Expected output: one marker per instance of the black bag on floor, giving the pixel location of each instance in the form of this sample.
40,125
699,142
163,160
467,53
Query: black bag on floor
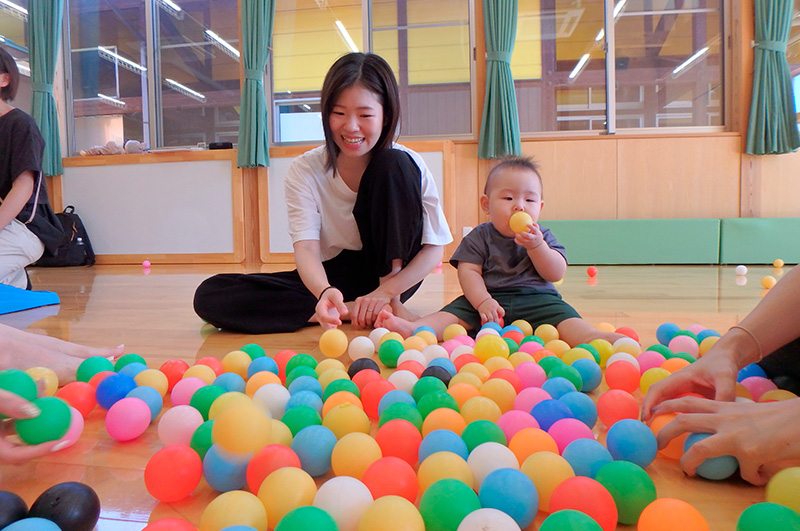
76,250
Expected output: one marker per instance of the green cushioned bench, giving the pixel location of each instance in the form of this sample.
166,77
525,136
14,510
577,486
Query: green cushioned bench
638,241
759,240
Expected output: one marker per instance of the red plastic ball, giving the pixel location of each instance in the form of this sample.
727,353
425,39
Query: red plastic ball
79,395
399,438
170,524
214,363
362,378
515,336
630,332
281,359
95,380
173,370
510,376
173,473
464,359
371,396
268,460
391,476
588,496
591,271
615,405
623,375
411,366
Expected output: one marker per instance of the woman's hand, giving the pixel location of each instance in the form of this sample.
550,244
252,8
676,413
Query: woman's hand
11,451
330,308
491,311
763,437
367,307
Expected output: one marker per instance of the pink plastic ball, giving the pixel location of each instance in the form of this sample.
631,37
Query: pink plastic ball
184,389
75,429
465,340
684,344
758,385
565,431
450,344
649,359
695,328
177,425
146,263
529,347
128,418
530,374
529,397
515,420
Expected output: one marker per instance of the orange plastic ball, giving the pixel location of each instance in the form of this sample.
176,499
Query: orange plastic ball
214,363
673,449
616,404
443,418
340,397
528,441
259,380
353,454
674,364
668,514
480,408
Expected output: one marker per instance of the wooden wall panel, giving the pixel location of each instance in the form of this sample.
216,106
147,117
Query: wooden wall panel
771,187
685,177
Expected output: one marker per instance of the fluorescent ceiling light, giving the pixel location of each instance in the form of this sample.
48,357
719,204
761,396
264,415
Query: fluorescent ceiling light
617,10
111,101
600,35
690,60
114,57
346,36
170,4
222,44
580,66
306,107
186,91
24,68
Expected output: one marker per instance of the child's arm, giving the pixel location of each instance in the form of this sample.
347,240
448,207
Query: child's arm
549,263
17,197
470,276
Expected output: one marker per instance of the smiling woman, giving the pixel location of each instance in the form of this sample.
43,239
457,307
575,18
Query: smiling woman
365,219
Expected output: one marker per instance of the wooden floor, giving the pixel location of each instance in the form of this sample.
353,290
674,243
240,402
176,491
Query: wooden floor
151,313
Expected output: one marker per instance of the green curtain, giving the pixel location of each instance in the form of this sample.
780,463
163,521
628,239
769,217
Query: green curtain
257,20
773,126
44,23
500,124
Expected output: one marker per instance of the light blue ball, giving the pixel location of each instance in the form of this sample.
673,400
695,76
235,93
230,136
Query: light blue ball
32,524
632,440
231,382
715,468
262,363
306,383
754,369
239,528
493,325
707,333
511,328
305,398
582,407
558,386
445,364
151,397
225,471
442,441
424,327
590,372
666,331
586,456
133,368
314,446
512,492
394,396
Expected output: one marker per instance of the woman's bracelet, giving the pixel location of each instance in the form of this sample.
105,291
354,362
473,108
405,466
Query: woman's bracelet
321,293
753,337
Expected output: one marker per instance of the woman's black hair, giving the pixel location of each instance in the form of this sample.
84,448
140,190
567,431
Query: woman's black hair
373,73
9,66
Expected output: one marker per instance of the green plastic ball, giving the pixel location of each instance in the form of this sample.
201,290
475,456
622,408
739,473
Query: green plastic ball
512,345
569,519
297,372
686,333
569,372
436,400
401,410
682,355
305,518
549,362
390,351
51,424
203,398
253,350
201,439
299,417
300,360
478,432
661,349
127,359
91,366
18,382
341,384
630,486
532,338
425,385
445,503
768,516
592,350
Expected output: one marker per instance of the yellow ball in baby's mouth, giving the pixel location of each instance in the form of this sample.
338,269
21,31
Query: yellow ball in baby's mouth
519,222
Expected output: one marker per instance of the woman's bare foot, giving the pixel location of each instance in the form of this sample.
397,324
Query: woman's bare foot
393,323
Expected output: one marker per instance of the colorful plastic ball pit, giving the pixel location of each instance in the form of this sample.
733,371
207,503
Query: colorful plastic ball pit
399,438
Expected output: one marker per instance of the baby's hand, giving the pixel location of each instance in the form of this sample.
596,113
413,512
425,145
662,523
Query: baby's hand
491,311
531,239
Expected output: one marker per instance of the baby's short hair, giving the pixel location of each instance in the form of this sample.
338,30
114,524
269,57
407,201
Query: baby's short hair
512,161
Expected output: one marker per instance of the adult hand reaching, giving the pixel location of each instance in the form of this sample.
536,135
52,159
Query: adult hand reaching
11,451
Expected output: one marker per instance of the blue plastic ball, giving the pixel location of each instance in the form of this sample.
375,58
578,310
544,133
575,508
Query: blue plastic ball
666,331
113,388
306,383
151,397
225,471
582,407
231,382
314,446
754,369
394,396
716,468
305,398
511,328
442,441
133,368
586,456
558,386
632,440
262,363
590,372
547,412
32,524
239,528
512,492
444,363
707,333
424,327
495,326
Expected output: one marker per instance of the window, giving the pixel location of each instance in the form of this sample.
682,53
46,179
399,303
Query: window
13,39
667,64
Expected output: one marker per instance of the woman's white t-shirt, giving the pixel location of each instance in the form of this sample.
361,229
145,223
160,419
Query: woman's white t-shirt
320,205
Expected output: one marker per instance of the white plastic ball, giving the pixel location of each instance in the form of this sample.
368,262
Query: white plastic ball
488,520
360,347
403,380
486,330
272,397
414,355
460,351
376,335
488,457
740,270
345,499
625,339
622,356
431,352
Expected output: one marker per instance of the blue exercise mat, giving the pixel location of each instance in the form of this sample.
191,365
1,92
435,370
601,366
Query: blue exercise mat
15,300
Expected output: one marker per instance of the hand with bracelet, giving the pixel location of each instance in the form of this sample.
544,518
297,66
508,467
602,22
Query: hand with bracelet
490,311
330,308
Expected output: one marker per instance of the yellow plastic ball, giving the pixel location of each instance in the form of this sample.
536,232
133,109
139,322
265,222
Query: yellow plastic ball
204,372
236,361
155,379
415,343
557,347
605,327
331,375
353,454
346,418
285,489
390,335
707,343
453,330
391,513
501,392
444,418
234,508
632,349
48,376
575,354
519,222
333,343
784,488
226,400
480,408
519,357
768,281
651,376
329,363
463,391
477,369
523,325
467,378
496,363
242,429
444,465
489,345
604,348
546,332
778,263
280,433
547,470
340,397
427,336
776,395
259,380
741,391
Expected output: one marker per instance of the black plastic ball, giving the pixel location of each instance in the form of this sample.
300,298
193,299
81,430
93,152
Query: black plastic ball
12,508
437,372
360,364
71,505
